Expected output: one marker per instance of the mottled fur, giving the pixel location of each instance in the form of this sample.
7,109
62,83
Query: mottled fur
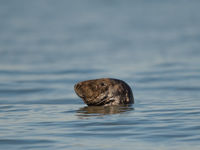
105,91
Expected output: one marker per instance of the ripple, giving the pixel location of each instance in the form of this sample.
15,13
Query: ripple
2,107
21,91
52,101
23,141
42,101
169,71
173,78
47,72
171,88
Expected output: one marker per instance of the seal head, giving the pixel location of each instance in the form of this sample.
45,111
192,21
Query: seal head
104,91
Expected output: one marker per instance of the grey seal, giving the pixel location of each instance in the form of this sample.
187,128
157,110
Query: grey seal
104,91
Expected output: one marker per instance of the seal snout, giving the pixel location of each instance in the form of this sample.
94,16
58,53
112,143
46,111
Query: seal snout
76,86
77,89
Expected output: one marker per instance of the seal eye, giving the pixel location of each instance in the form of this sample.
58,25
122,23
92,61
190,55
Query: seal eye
103,84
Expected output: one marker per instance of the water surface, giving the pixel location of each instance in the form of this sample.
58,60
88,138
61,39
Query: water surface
48,46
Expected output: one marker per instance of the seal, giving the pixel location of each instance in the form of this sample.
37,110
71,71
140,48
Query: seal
104,91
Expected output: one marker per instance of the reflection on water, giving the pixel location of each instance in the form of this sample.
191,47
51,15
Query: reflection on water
103,110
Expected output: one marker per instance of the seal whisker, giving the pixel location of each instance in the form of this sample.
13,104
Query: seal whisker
102,100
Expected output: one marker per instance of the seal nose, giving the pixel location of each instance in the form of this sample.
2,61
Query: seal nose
77,87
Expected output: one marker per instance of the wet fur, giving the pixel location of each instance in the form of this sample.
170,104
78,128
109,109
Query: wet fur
105,91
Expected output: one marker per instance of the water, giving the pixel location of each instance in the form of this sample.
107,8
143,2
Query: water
47,46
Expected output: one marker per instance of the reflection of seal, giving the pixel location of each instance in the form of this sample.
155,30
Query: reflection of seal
105,91
91,111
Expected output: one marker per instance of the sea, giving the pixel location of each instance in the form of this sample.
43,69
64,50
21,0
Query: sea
47,46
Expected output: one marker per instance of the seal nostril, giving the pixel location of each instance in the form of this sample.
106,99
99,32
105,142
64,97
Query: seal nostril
77,86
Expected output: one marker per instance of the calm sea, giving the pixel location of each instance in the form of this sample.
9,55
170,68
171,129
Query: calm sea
47,46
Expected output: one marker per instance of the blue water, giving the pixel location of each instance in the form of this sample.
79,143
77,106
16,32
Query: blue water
47,46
